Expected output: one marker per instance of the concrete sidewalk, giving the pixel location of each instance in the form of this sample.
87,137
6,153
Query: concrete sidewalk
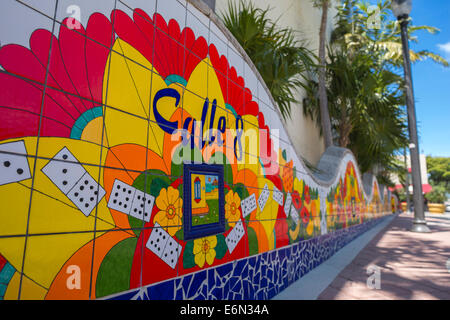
411,265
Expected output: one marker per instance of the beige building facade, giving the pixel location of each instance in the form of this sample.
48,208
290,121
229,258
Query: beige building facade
304,19
423,173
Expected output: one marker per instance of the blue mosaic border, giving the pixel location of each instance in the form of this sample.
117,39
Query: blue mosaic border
259,277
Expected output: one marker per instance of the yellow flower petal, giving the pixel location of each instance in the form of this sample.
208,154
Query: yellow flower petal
227,210
212,241
198,245
161,218
229,197
161,201
172,230
178,204
210,255
237,200
172,222
172,195
310,228
200,260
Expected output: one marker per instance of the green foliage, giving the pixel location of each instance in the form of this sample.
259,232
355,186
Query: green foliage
211,217
189,257
437,195
279,58
439,171
364,100
401,195
365,86
252,241
116,265
221,247
152,181
355,33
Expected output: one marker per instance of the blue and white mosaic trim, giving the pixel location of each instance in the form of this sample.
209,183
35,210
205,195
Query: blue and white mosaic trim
258,277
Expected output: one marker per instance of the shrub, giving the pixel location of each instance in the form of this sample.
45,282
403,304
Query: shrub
437,195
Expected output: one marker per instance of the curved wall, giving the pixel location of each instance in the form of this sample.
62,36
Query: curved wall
117,97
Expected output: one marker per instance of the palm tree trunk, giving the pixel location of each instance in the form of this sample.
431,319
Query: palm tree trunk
345,126
324,113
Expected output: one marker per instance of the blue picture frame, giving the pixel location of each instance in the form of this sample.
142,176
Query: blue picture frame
198,231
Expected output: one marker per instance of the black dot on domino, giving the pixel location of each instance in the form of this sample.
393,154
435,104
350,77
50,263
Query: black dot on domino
7,164
65,156
20,171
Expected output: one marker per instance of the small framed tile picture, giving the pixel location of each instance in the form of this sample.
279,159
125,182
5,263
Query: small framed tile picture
203,211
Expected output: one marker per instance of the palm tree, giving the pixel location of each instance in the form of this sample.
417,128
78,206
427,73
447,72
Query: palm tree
364,108
364,87
279,58
323,99
354,33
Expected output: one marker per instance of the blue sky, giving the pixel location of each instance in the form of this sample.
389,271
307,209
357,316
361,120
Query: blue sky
432,81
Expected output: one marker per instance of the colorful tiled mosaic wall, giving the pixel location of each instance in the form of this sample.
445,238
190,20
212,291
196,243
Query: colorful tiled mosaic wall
258,277
101,104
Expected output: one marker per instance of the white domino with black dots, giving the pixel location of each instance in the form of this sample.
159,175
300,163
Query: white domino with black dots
235,235
13,163
164,246
131,201
67,173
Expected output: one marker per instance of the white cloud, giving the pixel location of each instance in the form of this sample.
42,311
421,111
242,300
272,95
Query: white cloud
446,48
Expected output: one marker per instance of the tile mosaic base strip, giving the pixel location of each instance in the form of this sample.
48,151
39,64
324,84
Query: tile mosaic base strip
258,277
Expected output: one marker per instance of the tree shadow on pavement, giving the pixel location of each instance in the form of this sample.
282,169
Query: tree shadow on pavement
411,265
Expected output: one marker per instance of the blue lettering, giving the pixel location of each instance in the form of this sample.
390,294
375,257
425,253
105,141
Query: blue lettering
167,126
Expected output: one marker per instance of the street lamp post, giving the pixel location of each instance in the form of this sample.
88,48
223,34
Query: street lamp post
408,204
402,9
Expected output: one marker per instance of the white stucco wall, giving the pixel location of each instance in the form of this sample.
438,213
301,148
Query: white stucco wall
301,16
423,168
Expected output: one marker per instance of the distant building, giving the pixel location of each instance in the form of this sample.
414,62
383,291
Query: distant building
426,187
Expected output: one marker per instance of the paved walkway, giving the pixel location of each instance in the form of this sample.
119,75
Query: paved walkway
413,266
410,265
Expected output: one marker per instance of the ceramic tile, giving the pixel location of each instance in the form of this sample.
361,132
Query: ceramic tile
81,10
45,7
172,10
